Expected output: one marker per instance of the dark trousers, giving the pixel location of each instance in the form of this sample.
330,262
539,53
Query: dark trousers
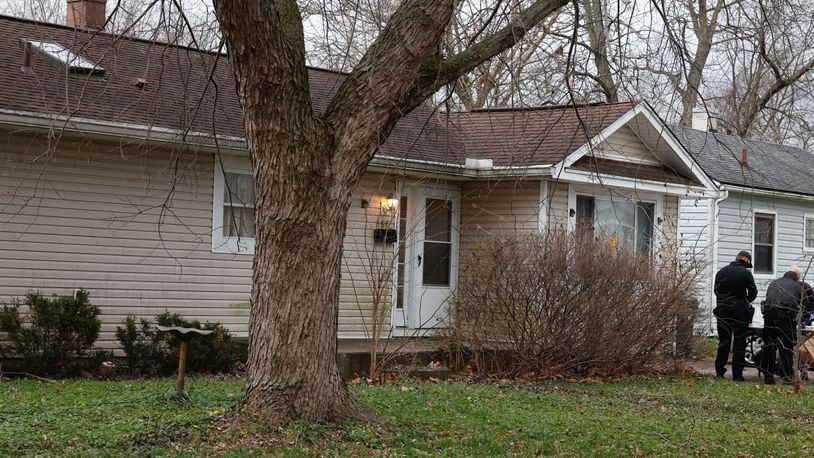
731,332
779,335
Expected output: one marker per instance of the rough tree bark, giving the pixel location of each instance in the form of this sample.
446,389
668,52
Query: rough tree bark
306,167
705,25
594,13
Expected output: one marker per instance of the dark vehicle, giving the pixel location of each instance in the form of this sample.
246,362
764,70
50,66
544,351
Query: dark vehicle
754,348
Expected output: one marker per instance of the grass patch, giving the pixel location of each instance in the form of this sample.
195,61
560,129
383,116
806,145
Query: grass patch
75,416
704,347
658,416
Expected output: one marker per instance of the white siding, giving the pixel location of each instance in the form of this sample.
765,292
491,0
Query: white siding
695,236
735,220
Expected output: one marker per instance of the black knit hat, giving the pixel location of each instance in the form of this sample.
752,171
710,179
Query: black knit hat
744,257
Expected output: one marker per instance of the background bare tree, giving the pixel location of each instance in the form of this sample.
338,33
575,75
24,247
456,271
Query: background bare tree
771,56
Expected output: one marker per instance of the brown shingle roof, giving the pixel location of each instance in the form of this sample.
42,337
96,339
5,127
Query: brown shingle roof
194,91
534,136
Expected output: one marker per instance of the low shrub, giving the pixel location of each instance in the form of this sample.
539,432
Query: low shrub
51,335
567,303
156,353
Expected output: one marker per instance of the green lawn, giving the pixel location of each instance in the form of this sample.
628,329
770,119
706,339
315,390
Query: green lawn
659,416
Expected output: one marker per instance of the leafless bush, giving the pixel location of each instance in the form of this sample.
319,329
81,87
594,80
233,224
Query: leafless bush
566,303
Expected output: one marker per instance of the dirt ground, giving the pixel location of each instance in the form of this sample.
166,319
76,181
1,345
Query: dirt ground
706,366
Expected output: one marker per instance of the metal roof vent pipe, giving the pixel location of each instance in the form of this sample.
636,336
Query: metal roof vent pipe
86,14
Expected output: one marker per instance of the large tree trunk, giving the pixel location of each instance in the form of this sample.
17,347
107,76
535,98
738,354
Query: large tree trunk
305,169
293,371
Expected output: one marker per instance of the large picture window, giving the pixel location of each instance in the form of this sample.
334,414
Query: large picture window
233,211
763,261
625,225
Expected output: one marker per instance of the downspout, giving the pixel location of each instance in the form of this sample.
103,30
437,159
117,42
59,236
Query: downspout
724,194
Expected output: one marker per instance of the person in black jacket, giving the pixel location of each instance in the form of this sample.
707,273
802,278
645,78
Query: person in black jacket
734,292
784,297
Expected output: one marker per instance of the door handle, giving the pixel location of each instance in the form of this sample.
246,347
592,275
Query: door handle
419,260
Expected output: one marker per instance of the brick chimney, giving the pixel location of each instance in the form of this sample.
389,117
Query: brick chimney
86,14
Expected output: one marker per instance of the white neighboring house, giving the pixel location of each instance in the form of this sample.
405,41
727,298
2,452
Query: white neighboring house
765,205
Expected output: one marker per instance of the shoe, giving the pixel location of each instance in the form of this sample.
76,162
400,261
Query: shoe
738,378
720,372
768,381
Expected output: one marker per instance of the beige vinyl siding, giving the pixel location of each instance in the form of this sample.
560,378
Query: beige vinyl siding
107,218
558,213
625,144
100,216
498,208
367,267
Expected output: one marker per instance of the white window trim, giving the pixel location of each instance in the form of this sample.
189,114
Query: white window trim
602,192
221,243
773,214
806,217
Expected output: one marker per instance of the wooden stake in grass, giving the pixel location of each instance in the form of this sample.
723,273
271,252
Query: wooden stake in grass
184,335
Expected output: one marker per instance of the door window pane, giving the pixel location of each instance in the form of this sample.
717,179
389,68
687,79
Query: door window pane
438,217
436,263
437,242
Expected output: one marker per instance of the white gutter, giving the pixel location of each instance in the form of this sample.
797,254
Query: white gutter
770,193
457,170
238,145
119,130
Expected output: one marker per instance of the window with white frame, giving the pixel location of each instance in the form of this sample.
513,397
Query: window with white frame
233,212
763,253
627,225
808,234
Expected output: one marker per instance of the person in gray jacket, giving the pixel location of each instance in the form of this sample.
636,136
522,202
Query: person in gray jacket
784,298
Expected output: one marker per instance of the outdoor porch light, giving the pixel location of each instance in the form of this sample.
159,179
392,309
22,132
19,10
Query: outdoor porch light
389,204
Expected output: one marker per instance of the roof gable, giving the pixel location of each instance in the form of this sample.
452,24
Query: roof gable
626,146
638,136
533,136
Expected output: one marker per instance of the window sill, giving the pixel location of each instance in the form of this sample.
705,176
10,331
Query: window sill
233,246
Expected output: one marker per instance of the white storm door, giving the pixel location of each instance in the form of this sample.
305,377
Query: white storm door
434,264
